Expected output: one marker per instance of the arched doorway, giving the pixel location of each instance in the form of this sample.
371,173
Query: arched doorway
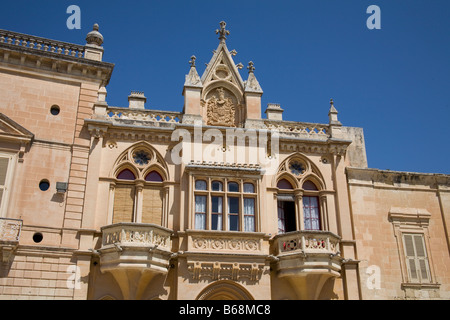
224,290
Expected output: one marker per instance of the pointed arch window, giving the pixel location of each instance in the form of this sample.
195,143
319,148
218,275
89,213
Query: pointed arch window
138,190
299,209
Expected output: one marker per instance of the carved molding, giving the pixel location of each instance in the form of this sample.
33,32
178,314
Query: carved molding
225,271
223,244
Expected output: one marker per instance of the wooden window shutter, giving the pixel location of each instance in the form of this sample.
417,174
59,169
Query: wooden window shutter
421,256
152,205
123,203
4,163
410,257
416,258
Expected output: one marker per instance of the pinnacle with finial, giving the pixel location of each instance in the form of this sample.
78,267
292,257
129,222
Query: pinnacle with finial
192,62
251,67
223,33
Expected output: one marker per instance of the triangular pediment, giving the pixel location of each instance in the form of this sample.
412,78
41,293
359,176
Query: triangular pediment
222,68
11,130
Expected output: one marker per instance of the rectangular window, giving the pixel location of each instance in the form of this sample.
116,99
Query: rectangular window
223,205
249,214
311,213
416,258
200,212
233,214
216,213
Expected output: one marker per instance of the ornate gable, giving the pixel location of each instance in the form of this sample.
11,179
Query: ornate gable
220,93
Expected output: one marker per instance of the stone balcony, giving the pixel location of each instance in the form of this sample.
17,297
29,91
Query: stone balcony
9,237
307,259
134,254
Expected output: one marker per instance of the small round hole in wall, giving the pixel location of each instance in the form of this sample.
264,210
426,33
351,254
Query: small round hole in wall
38,237
44,185
55,110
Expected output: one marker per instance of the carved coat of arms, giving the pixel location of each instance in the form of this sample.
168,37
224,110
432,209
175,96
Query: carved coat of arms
221,110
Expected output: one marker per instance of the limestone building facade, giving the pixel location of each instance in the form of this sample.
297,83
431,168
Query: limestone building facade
213,201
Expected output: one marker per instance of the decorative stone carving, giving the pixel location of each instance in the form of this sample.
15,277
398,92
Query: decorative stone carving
221,109
208,244
225,270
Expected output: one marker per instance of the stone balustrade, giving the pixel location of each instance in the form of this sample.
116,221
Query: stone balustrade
41,44
308,242
310,130
136,235
116,113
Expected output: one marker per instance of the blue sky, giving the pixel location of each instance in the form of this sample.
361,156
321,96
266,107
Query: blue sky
393,82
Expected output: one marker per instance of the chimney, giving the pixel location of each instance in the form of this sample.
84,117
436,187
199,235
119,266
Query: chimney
137,100
274,112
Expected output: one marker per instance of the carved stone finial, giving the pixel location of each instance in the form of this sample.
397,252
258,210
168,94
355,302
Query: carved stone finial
223,33
251,67
94,37
192,62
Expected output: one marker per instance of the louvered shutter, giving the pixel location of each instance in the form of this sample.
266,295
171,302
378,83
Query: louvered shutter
422,258
152,205
123,203
410,257
416,258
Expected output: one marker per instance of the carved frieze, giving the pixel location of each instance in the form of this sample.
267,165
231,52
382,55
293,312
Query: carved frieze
224,244
225,270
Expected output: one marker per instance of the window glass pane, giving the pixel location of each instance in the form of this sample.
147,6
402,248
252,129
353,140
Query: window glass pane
284,184
217,186
249,188
200,185
126,175
233,221
233,214
308,185
233,205
233,187
216,222
200,204
311,213
249,215
200,212
154,177
200,221
249,206
216,204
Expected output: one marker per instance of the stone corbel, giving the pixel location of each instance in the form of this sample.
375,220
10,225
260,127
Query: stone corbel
97,132
8,250
22,150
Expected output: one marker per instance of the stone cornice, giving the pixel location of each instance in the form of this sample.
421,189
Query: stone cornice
52,62
397,179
